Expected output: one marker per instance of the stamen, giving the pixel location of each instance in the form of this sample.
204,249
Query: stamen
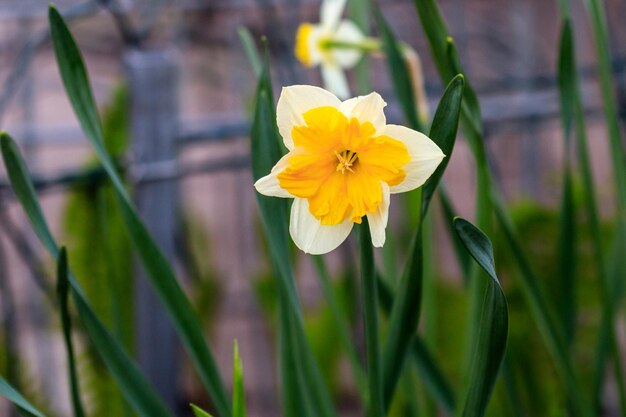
346,159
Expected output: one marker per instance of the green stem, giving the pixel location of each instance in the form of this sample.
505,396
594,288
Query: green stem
431,324
370,307
367,45
66,321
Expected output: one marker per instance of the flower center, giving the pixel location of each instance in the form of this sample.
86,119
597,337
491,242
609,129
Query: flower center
346,159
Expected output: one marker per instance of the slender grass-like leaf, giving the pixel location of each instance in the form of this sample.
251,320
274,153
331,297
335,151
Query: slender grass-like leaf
62,292
25,192
431,375
600,33
494,323
423,359
448,65
376,407
431,325
448,211
477,245
470,98
550,331
303,387
137,390
239,393
404,315
265,147
567,227
250,49
516,409
398,70
133,385
403,318
198,412
343,331
616,278
573,113
296,400
162,278
8,392
444,54
443,133
472,126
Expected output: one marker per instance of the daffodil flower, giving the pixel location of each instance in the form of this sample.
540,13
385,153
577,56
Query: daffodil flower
334,44
343,163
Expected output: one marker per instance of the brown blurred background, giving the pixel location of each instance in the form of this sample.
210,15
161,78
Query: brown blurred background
190,88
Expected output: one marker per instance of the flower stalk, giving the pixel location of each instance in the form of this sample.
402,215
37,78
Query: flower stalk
370,311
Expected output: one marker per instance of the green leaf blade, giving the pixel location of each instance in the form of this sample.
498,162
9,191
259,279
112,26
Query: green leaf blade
403,318
431,374
572,113
477,245
303,389
250,49
405,312
198,412
162,277
239,393
423,359
551,333
443,132
342,328
494,324
25,191
135,387
8,392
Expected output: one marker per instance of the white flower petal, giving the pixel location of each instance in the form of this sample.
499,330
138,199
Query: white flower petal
347,106
378,219
308,233
425,156
269,184
335,80
349,32
330,13
296,100
369,108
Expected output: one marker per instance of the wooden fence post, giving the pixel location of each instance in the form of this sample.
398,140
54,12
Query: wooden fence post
153,86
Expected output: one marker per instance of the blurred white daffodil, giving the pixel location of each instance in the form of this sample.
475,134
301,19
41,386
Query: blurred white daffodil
334,44
343,163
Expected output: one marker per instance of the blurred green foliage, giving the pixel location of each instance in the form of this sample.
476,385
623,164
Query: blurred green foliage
320,328
102,260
